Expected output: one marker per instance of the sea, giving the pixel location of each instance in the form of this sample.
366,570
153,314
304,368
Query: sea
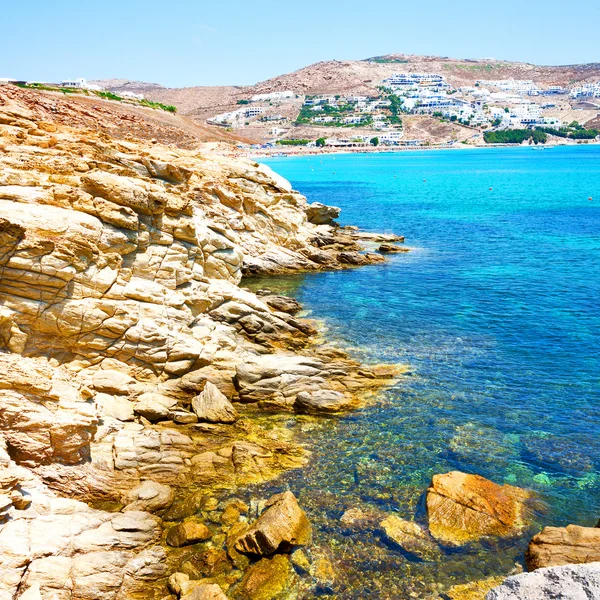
496,313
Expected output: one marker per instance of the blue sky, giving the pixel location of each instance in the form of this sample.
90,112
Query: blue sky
181,42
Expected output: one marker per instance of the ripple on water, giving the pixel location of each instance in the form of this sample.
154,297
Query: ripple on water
497,316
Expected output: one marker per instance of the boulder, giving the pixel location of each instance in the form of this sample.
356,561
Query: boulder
391,248
555,546
212,406
567,582
154,406
321,214
112,381
205,591
409,536
149,496
187,533
283,304
267,579
474,590
115,406
176,580
463,508
281,526
322,401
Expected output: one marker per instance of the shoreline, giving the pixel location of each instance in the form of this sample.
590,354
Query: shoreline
302,151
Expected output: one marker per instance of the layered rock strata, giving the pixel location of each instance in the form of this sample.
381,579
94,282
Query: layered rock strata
125,338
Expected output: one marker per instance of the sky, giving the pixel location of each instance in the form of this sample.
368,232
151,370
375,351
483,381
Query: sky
183,43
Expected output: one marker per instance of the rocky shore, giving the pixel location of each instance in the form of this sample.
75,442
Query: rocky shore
137,376
141,385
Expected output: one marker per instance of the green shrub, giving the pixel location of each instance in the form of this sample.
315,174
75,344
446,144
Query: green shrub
514,136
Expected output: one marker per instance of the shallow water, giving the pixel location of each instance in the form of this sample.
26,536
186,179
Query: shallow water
496,312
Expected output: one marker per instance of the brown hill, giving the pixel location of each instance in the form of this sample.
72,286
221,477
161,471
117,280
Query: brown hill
119,120
362,77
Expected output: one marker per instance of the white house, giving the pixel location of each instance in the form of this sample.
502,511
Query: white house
130,95
391,137
253,111
273,96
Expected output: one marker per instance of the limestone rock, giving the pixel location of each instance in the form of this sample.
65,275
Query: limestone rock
188,532
462,508
154,406
116,407
567,582
206,591
112,381
267,579
321,214
391,248
175,581
409,536
280,527
555,546
149,496
212,406
322,401
474,590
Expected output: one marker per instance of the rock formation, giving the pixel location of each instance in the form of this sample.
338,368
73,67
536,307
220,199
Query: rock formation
281,526
120,312
569,582
555,546
462,508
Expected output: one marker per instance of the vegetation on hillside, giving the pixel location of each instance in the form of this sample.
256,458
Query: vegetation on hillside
293,142
573,131
515,136
100,94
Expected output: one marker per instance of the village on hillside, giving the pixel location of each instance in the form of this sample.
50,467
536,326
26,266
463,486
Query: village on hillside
400,109
487,107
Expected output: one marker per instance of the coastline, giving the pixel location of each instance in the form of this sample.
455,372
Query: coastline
123,401
301,151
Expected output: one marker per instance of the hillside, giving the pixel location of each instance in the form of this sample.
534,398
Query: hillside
121,315
121,120
363,78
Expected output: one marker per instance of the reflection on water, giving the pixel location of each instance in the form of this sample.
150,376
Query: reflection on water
496,313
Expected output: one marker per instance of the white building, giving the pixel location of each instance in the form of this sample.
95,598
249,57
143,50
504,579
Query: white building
274,96
587,90
391,137
253,111
521,86
80,83
355,119
130,95
412,81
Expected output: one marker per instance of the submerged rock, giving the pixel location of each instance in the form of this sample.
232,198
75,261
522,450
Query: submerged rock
267,579
281,526
409,536
568,582
474,590
188,532
211,405
555,546
463,508
205,591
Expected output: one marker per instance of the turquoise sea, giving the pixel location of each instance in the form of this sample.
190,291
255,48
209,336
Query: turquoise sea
497,312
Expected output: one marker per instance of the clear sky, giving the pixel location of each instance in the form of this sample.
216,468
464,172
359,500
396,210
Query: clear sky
185,42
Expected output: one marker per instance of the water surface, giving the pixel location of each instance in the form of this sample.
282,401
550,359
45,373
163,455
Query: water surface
496,312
